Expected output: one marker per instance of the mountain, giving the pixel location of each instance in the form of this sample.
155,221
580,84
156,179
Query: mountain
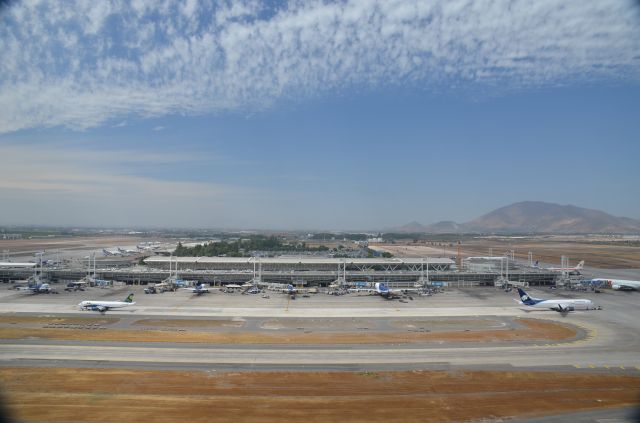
445,227
539,217
536,216
411,227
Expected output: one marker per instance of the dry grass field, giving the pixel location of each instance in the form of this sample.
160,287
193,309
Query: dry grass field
547,251
101,395
532,330
71,243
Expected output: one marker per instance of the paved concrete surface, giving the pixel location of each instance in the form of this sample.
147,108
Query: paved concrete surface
610,341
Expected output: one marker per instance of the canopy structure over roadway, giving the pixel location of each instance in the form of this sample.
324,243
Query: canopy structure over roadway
302,263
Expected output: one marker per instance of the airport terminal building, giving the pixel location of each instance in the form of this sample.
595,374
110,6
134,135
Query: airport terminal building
301,264
303,270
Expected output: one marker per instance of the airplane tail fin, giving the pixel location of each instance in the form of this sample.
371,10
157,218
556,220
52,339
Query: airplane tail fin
129,298
580,265
525,298
382,288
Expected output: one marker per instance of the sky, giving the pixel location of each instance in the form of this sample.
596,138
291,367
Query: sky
314,115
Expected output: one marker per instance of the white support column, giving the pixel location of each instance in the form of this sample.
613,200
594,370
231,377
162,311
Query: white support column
427,270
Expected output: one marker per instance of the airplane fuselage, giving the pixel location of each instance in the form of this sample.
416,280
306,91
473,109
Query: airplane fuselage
620,284
103,305
556,304
569,304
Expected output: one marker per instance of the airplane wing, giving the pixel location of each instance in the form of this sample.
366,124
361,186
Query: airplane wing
100,308
195,290
562,309
367,290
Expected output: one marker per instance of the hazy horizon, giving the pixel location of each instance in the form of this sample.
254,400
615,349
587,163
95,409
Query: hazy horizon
327,115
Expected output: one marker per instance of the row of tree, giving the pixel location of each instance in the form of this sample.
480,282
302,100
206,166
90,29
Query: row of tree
243,247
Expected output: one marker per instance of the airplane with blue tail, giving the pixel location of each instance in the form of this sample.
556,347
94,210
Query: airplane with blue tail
289,290
561,305
103,306
198,289
384,291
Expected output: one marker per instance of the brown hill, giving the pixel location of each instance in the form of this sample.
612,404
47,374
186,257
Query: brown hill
535,217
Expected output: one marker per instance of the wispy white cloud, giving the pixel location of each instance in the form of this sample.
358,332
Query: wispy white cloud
81,63
67,185
55,170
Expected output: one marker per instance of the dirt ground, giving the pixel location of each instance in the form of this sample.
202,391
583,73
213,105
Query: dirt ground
547,251
532,330
182,323
121,395
79,242
49,320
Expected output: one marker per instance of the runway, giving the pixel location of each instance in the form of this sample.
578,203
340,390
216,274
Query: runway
612,337
600,347
426,356
529,356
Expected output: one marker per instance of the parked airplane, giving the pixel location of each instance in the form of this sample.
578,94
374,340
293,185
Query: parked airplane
76,286
576,269
110,252
103,306
199,289
562,305
40,288
290,290
16,264
381,288
125,251
148,245
384,291
619,284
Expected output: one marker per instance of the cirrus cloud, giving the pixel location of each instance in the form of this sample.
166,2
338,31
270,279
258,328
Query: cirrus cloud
80,63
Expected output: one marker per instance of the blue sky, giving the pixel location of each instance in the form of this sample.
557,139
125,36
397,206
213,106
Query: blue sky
346,115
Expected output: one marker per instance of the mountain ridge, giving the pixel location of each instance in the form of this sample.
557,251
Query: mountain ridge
534,217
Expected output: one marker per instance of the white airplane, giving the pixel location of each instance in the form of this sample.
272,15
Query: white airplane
126,251
199,289
619,284
15,264
576,269
149,245
40,288
384,291
110,252
103,306
562,305
290,290
381,288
